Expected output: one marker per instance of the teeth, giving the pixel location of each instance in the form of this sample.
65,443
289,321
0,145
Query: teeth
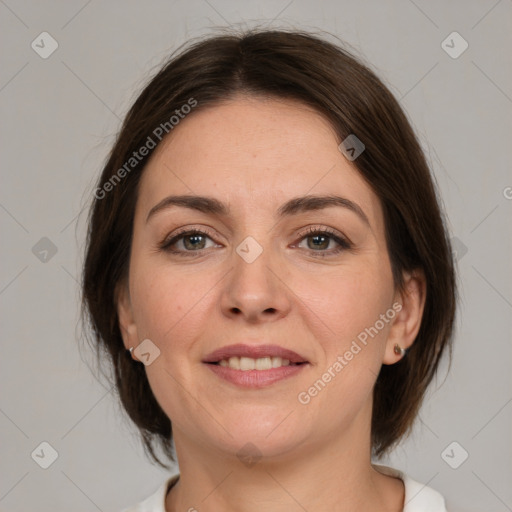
263,363
234,362
248,363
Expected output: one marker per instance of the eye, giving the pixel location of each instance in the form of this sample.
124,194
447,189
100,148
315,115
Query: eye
188,241
192,240
319,239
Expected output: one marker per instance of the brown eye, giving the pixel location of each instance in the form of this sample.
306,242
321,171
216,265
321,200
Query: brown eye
318,241
187,241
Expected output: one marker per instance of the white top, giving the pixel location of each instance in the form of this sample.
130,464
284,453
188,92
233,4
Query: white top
418,497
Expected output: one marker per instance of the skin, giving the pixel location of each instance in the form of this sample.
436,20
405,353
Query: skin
254,154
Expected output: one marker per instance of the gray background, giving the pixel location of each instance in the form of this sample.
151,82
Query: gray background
60,115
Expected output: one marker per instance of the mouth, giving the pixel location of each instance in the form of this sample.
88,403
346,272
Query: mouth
260,364
254,366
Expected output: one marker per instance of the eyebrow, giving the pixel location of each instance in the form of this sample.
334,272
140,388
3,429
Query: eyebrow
210,205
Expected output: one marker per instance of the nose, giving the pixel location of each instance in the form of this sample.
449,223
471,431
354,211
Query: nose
255,290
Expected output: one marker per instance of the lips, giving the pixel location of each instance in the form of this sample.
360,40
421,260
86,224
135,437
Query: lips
255,366
254,352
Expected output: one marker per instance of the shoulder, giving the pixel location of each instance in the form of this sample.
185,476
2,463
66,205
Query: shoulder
418,497
155,502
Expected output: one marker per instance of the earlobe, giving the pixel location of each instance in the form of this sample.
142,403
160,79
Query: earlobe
407,322
125,317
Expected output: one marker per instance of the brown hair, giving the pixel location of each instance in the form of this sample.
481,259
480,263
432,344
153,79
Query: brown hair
305,67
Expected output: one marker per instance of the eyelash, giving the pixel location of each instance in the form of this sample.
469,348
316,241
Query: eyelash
343,243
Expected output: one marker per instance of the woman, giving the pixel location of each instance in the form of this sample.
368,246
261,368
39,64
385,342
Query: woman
269,273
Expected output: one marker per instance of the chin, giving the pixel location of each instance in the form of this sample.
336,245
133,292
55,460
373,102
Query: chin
258,434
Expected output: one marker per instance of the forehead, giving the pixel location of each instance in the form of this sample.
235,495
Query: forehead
254,153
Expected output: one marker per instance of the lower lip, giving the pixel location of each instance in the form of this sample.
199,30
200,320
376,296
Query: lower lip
255,378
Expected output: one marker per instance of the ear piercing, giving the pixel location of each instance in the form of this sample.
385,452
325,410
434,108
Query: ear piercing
131,353
399,351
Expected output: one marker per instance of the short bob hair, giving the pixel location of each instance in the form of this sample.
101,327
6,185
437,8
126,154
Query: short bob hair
282,64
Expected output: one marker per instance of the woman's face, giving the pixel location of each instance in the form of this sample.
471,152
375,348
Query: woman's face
257,274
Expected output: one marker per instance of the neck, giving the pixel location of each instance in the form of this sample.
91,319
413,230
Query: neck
325,475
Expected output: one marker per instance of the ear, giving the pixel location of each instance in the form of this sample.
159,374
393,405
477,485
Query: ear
410,304
125,316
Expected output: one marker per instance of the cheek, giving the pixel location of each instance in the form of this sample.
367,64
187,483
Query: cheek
356,313
169,304
170,309
349,302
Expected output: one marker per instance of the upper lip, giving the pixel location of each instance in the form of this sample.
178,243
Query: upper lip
254,352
